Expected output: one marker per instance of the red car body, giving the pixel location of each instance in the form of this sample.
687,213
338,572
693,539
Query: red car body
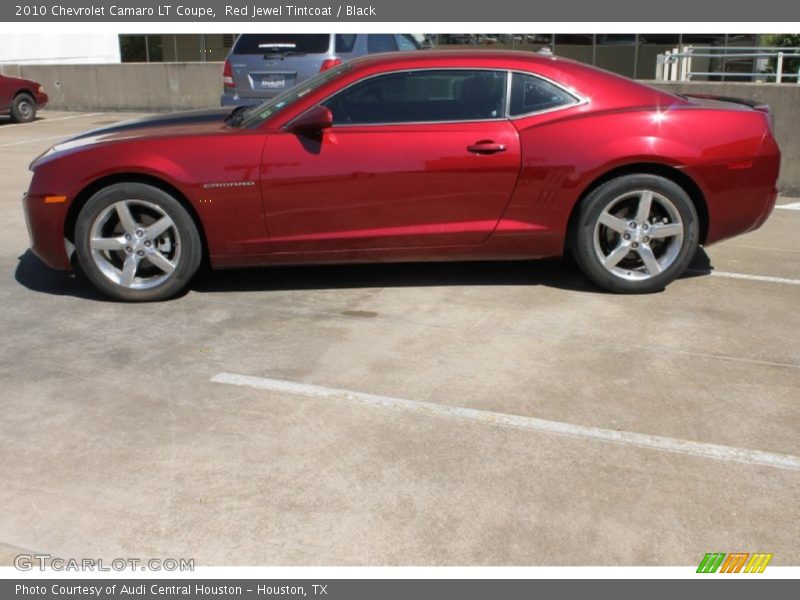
11,87
265,195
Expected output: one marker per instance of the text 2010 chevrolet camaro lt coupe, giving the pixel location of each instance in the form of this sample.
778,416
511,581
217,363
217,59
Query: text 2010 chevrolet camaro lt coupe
410,157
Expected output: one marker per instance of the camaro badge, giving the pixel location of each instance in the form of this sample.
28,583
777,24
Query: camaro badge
226,184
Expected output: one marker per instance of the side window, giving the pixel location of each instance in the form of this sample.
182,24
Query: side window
422,97
381,43
531,94
405,42
345,42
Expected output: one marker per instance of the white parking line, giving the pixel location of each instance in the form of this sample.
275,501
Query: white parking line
625,438
79,116
790,206
767,248
34,140
747,276
46,120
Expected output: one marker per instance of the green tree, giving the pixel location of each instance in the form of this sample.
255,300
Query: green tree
791,64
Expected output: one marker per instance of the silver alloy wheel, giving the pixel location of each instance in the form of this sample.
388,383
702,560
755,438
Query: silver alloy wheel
135,244
638,235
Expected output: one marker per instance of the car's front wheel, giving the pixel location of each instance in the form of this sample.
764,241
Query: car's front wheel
635,234
135,242
23,108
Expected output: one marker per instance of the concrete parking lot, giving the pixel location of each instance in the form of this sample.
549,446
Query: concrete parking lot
499,388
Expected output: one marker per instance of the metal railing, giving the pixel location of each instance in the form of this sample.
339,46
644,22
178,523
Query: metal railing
679,64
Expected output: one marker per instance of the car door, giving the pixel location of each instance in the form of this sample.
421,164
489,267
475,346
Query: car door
414,158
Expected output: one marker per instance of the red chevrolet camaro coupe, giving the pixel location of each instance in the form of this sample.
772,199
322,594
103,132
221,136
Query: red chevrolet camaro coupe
412,157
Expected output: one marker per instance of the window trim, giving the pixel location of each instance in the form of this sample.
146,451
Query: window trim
579,99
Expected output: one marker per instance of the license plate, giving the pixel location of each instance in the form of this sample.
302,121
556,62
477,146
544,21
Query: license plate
273,81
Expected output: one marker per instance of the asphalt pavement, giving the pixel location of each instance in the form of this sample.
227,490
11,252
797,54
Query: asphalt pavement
462,414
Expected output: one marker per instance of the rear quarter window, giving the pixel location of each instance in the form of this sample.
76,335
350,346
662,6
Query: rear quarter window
345,42
531,94
405,42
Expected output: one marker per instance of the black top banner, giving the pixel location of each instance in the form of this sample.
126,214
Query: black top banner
471,11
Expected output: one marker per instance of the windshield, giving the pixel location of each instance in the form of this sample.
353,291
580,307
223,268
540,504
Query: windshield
258,114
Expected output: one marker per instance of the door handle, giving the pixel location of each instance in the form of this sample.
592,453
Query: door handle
486,147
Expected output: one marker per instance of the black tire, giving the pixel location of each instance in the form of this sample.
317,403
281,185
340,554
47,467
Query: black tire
147,205
591,239
23,108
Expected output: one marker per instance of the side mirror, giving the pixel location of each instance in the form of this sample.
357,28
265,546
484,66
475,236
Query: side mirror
314,120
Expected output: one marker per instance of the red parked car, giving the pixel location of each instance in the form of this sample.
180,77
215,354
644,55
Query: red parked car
410,157
21,98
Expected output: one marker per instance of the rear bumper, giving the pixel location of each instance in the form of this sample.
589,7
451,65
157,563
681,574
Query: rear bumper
46,231
740,200
41,100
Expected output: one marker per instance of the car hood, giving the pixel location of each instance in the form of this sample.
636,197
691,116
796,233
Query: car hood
21,81
191,122
194,122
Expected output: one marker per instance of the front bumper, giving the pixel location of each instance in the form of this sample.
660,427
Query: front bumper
41,100
45,223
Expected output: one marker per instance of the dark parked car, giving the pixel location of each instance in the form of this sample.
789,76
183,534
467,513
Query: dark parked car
21,98
263,65
413,156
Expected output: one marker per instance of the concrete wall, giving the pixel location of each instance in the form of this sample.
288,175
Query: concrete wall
784,101
176,86
126,86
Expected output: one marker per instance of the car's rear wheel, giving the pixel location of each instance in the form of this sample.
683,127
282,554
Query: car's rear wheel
23,108
135,242
635,234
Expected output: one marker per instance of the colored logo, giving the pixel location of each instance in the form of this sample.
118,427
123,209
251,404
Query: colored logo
735,562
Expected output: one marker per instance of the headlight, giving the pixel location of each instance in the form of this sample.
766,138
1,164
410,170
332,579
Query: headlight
41,89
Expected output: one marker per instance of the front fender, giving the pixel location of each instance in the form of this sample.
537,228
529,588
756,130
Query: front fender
217,176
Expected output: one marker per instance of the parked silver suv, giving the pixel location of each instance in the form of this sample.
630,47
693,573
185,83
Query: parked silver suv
262,65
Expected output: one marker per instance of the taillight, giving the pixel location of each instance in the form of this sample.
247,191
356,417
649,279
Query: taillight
227,75
329,63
